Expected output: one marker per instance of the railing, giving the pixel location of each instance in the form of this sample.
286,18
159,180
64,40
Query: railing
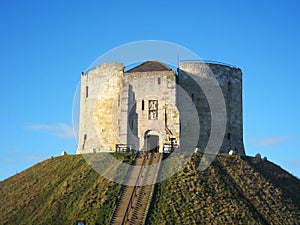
122,148
210,61
119,197
153,186
133,192
147,160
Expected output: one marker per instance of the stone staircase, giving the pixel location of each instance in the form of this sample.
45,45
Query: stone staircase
133,204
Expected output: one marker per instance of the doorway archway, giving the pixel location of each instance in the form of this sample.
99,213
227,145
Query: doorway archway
151,141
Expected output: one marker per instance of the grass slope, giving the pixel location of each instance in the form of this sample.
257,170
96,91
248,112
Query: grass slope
58,191
233,190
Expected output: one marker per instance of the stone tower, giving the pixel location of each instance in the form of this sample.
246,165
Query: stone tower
230,81
136,109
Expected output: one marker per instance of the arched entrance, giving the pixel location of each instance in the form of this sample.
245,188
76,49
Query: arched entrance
151,141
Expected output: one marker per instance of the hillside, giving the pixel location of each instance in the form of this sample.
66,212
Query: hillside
59,190
234,190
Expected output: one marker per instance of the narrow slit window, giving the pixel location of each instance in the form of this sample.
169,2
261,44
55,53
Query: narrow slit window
86,91
158,80
84,140
228,136
193,97
143,104
229,86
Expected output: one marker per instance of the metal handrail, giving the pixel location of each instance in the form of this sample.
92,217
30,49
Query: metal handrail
133,193
152,189
210,61
118,198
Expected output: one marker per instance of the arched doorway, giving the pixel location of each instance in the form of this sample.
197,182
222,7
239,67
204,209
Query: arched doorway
151,141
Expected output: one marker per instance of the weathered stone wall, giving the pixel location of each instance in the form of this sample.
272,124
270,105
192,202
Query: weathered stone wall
114,106
230,82
99,110
140,88
111,108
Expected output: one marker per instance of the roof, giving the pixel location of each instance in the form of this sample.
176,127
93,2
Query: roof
150,66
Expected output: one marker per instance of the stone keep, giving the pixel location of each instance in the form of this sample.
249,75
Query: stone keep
137,109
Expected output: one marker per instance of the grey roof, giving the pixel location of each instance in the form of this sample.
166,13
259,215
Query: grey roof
150,66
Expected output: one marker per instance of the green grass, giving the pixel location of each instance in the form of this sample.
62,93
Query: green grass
233,190
58,191
230,191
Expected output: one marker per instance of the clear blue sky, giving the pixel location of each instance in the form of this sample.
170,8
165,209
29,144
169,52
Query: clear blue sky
45,45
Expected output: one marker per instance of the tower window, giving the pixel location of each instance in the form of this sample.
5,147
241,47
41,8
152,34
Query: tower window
193,97
143,104
228,136
84,140
158,80
131,124
229,86
86,91
153,109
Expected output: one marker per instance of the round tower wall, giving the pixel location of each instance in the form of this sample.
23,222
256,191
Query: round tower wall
230,81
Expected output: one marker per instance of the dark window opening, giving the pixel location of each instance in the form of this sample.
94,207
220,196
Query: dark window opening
84,140
228,136
229,86
86,91
143,104
119,100
193,97
158,80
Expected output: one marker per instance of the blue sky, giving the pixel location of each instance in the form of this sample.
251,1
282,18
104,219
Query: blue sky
45,45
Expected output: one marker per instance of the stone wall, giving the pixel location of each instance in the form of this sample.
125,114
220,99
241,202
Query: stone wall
114,106
99,111
230,81
139,89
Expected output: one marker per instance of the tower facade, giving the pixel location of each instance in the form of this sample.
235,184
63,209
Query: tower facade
138,109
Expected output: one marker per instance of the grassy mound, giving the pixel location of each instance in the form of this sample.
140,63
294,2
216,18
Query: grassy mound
59,190
233,190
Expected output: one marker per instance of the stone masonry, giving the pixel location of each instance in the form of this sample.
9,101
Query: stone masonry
137,109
